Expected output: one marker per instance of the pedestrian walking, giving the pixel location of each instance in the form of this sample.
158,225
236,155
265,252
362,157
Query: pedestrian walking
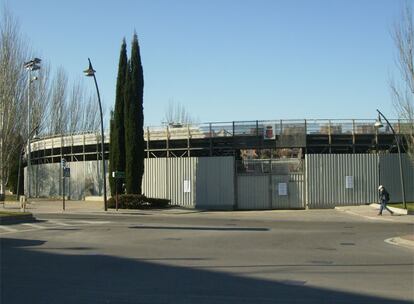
384,198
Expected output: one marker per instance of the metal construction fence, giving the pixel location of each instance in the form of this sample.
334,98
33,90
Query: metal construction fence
318,181
206,182
353,179
201,182
270,184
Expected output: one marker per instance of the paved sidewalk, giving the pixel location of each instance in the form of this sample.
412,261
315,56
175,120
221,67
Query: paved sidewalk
55,206
400,216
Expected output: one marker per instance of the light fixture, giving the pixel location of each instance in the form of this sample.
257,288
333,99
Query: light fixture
89,71
378,123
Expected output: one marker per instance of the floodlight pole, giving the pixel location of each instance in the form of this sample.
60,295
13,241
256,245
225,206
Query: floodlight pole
399,157
91,72
30,66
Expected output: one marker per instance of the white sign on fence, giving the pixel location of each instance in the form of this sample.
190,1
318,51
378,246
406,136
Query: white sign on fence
282,188
187,186
349,182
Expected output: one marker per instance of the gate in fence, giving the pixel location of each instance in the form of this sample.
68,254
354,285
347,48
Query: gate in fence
270,184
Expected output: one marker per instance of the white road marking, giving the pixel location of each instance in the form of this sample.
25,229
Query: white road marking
53,223
8,229
92,222
60,223
35,226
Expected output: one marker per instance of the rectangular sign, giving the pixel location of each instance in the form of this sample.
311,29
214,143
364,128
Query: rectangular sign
282,189
187,186
118,174
268,132
349,182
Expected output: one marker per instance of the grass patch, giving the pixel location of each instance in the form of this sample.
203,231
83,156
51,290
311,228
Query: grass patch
410,205
12,213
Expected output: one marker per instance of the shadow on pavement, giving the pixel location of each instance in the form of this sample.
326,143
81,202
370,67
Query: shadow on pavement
32,276
199,228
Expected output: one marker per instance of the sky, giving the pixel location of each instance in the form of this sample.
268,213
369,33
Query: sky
228,60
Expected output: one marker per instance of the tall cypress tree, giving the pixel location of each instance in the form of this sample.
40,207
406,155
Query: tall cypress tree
134,121
117,148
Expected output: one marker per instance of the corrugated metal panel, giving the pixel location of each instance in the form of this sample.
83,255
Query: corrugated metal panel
326,179
215,182
253,192
154,182
182,170
211,181
390,176
294,197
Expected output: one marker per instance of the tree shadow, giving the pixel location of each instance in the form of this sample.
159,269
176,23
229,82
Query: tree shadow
34,276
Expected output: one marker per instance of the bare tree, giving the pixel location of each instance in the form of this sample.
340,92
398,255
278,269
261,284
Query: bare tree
177,114
82,115
12,84
90,120
75,107
58,103
403,90
39,99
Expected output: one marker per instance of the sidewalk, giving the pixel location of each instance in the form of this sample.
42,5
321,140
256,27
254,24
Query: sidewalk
400,216
39,206
56,206
371,212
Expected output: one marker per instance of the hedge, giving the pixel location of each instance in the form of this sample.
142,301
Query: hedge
137,201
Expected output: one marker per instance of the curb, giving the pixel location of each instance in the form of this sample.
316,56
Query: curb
399,241
11,220
393,209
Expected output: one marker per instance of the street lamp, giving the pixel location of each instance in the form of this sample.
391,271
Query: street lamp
30,66
378,124
33,136
90,72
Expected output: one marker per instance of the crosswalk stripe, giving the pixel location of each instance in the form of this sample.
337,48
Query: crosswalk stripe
8,229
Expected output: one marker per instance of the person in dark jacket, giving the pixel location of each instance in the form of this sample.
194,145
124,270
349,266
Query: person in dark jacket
384,197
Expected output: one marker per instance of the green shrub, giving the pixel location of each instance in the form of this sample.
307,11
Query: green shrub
157,202
137,201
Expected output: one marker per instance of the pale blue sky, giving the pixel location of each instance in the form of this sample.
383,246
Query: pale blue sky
228,60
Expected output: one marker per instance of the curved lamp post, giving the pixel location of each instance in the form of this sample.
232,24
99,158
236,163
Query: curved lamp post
378,124
90,72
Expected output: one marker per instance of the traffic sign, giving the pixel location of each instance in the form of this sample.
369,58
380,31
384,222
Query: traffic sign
118,174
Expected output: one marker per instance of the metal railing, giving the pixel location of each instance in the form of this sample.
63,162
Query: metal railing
274,127
263,128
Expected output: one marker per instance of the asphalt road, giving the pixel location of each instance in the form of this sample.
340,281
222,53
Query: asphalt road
318,256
